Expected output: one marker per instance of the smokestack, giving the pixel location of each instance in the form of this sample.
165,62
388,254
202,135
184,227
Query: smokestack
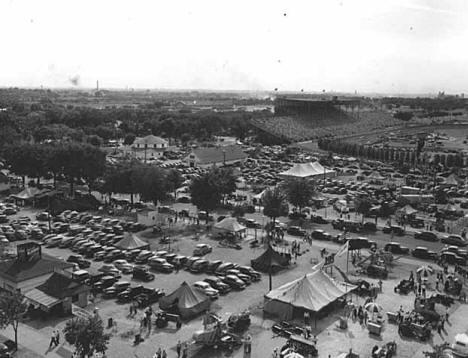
97,85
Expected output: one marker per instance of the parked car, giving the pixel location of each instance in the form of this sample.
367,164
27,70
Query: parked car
143,257
104,282
221,270
131,255
320,235
396,248
110,269
456,250
369,226
199,266
218,284
452,258
234,281
79,260
318,219
397,230
246,278
142,273
160,264
252,224
205,288
202,249
247,270
190,261
116,288
423,253
454,240
124,266
426,236
296,231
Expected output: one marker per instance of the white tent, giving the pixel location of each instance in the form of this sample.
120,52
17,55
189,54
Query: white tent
230,225
308,170
312,292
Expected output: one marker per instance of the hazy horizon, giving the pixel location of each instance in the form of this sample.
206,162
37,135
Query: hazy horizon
397,47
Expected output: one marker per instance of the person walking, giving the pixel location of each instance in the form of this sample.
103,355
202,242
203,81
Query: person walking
164,354
57,337
52,340
178,348
185,351
159,353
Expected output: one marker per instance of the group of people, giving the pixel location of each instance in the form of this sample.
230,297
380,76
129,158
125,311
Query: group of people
296,249
359,313
54,339
181,349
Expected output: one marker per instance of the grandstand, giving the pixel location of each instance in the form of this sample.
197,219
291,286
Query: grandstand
301,120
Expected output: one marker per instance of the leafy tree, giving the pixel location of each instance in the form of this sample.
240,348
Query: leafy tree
129,139
94,161
274,204
299,192
174,180
27,160
362,206
94,140
225,180
404,116
12,308
205,192
385,210
150,183
87,335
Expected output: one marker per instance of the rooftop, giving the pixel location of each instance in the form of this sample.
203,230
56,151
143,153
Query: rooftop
18,271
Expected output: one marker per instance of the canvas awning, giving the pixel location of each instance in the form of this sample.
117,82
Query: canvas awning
38,297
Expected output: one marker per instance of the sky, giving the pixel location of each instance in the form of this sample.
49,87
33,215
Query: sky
367,46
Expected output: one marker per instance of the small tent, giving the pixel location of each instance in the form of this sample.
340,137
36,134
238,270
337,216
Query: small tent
229,225
451,180
312,293
187,301
131,242
270,259
407,210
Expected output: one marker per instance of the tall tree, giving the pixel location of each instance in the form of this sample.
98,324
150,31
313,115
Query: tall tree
274,204
174,180
362,206
87,335
150,183
299,192
12,308
94,161
224,179
205,192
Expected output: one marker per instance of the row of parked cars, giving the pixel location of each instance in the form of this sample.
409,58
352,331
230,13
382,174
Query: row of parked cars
451,254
